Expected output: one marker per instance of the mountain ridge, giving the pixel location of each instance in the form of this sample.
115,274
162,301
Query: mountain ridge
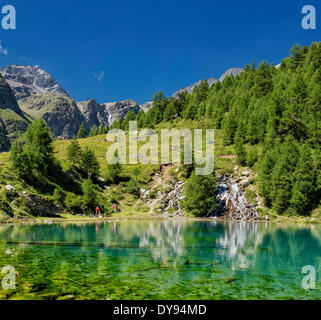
36,93
229,72
29,80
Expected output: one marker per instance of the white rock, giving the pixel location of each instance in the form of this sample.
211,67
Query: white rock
9,252
10,187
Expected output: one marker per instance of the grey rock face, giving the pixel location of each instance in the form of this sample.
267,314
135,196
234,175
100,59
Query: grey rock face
93,113
12,120
59,111
29,80
233,71
146,106
118,110
7,97
105,113
4,140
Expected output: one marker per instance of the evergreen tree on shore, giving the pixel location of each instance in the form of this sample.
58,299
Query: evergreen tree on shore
200,198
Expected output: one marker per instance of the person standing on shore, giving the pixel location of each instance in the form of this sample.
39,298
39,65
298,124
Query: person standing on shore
97,211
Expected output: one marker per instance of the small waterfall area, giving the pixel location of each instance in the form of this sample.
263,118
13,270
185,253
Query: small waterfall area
232,201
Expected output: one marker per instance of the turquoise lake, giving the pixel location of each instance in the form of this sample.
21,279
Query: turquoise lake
161,259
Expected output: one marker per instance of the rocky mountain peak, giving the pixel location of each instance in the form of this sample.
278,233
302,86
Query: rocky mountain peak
191,87
233,71
29,80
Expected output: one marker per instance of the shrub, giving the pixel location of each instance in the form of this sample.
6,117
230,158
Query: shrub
59,197
133,188
5,207
23,204
74,204
152,194
8,195
113,200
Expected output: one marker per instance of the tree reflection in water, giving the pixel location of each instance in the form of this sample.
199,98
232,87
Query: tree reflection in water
161,259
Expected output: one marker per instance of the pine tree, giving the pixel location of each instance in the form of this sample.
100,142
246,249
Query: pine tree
114,171
102,129
93,131
200,195
38,147
19,161
266,167
74,153
263,80
240,150
130,116
82,132
229,127
305,182
283,175
89,164
314,108
169,112
90,194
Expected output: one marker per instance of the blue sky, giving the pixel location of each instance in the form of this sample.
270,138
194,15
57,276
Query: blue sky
111,50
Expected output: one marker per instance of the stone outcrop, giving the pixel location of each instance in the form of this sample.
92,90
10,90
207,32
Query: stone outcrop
118,110
29,80
171,200
40,207
232,201
59,111
93,113
105,113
